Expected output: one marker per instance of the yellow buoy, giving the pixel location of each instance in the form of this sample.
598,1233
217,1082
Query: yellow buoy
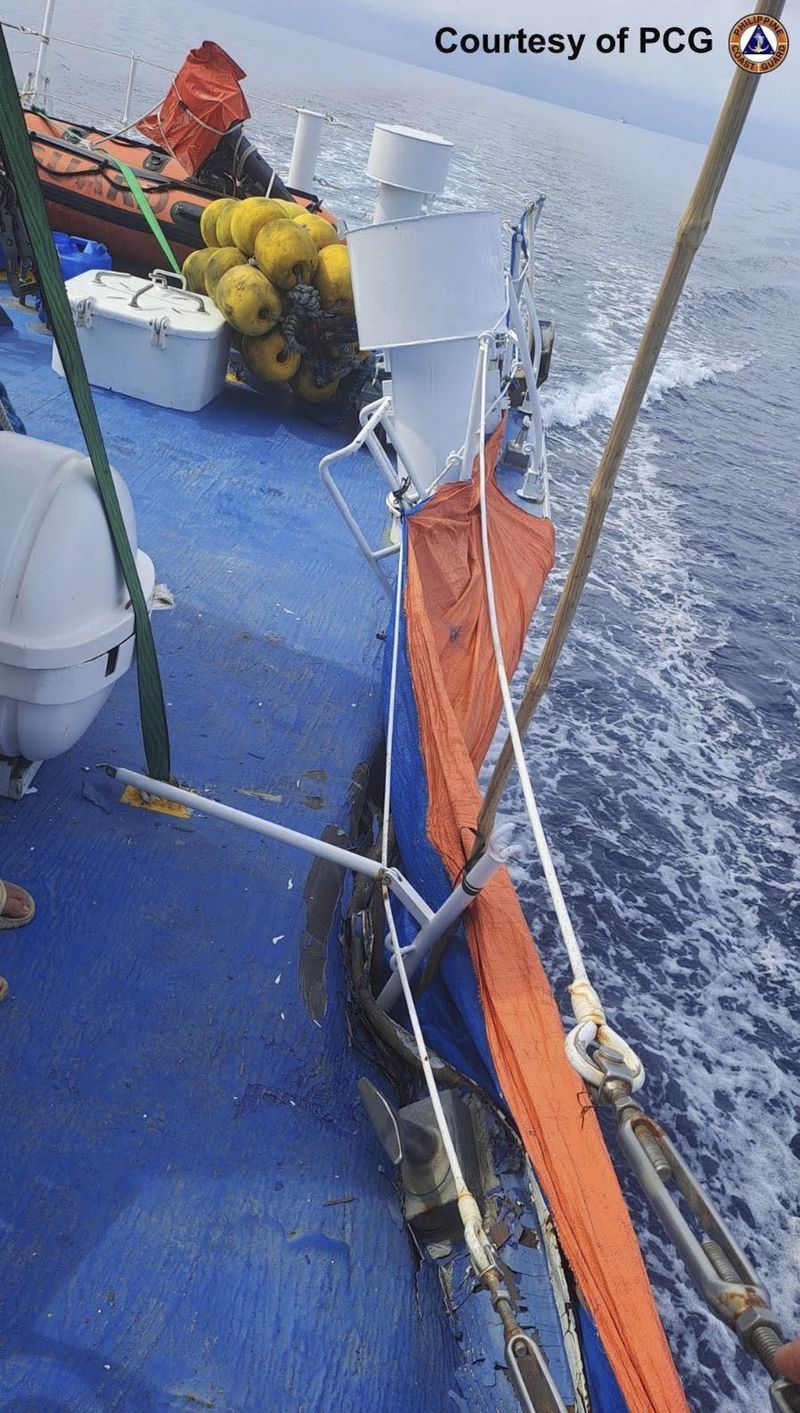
305,386
225,258
250,216
333,278
248,301
321,231
290,208
222,228
208,220
194,270
286,254
270,357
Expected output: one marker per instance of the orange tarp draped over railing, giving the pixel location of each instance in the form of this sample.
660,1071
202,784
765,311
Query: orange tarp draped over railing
203,102
458,700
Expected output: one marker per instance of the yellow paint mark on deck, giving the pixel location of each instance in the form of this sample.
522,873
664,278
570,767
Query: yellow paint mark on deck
132,796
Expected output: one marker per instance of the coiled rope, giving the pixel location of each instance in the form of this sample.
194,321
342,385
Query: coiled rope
311,331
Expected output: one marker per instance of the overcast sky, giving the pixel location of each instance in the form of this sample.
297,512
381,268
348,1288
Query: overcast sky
674,93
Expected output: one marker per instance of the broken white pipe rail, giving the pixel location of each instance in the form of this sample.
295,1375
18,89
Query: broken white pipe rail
320,848
432,924
473,881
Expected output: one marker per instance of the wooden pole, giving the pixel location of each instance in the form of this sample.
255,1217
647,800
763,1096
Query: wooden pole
691,229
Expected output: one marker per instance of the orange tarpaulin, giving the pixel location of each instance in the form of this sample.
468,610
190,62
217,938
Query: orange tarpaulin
455,688
203,103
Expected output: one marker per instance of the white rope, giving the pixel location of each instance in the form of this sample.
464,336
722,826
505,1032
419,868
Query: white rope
218,132
586,1003
568,932
118,132
477,1242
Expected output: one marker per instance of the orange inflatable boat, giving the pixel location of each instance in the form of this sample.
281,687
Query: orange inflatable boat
199,153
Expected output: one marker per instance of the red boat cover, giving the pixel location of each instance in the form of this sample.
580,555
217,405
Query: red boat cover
203,102
454,677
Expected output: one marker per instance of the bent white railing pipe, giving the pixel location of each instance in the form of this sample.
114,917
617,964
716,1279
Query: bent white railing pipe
495,856
320,848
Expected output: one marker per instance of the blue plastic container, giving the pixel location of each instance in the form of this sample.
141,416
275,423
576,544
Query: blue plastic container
76,255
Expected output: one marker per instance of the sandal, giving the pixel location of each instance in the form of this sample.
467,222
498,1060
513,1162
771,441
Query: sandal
8,922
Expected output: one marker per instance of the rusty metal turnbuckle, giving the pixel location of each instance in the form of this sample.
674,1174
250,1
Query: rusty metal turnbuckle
716,1263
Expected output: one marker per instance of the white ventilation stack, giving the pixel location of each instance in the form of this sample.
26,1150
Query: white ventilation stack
307,140
409,166
425,289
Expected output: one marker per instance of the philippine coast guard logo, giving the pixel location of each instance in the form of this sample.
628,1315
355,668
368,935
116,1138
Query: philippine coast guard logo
758,43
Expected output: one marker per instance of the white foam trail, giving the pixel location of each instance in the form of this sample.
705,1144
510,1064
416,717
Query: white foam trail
598,397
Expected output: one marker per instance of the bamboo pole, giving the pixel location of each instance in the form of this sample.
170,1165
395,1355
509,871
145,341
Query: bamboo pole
691,230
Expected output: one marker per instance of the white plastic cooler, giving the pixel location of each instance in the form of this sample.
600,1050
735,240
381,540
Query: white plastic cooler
149,338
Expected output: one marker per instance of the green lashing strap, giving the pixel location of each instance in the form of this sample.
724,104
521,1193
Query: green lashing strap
144,206
21,170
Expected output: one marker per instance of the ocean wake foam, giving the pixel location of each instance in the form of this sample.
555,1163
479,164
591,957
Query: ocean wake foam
578,403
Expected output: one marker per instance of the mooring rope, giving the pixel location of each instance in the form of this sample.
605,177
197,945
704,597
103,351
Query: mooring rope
591,1025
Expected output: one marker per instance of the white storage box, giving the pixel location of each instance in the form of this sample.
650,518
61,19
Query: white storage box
149,338
66,626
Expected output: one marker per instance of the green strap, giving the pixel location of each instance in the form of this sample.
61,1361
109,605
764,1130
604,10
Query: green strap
21,169
144,206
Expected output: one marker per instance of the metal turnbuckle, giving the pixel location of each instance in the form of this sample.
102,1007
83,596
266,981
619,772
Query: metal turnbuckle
530,1377
720,1270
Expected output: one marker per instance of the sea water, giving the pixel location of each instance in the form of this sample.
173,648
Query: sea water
664,756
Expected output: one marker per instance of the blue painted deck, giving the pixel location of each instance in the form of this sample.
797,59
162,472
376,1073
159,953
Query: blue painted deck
175,1119
194,1210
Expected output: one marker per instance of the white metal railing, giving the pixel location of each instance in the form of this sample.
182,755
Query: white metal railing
35,88
371,417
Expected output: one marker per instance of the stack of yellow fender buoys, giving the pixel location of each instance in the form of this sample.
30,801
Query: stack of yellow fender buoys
255,251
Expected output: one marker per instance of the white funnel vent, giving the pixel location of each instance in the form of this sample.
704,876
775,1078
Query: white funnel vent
425,290
408,166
